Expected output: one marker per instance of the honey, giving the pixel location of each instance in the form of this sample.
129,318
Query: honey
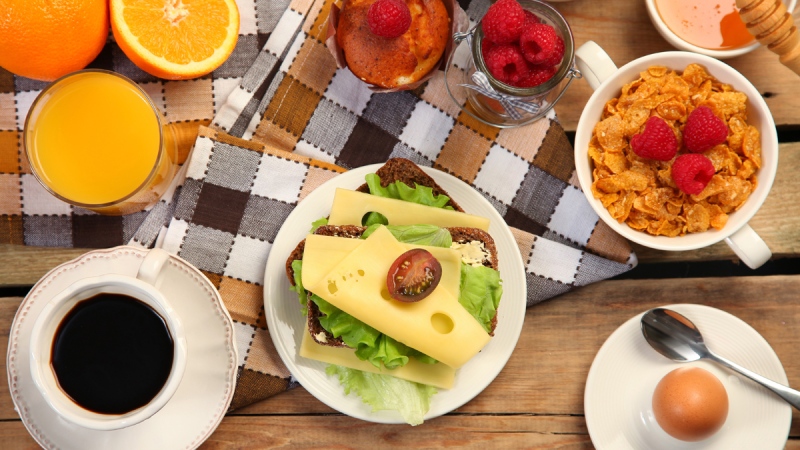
710,24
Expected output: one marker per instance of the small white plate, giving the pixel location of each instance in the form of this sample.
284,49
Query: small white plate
624,374
207,386
286,324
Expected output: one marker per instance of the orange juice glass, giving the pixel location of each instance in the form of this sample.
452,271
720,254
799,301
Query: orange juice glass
95,140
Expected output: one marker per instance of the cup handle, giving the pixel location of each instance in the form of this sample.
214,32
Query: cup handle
594,63
749,247
152,265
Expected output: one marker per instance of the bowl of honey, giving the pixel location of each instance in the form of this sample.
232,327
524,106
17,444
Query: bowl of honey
708,27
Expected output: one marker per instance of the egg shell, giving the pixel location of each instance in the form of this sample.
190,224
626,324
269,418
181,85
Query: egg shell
690,404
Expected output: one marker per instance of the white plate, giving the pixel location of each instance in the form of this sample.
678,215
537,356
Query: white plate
208,382
286,324
625,372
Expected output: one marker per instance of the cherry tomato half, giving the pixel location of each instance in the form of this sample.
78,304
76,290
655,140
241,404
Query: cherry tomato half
413,276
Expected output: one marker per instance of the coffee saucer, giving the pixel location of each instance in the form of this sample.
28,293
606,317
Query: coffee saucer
207,386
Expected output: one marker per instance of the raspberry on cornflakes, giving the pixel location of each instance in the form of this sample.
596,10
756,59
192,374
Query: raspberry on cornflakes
641,192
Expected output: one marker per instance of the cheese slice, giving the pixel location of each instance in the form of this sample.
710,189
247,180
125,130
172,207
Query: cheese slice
349,207
323,253
437,325
438,375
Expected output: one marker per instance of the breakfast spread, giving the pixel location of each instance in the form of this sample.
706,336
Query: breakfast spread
690,404
392,43
518,48
407,290
674,154
400,287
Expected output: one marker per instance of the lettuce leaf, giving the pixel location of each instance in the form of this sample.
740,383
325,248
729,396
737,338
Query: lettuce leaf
401,191
318,223
385,392
369,344
297,269
416,234
480,292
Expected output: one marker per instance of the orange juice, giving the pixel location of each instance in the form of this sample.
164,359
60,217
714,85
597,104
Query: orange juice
711,24
95,140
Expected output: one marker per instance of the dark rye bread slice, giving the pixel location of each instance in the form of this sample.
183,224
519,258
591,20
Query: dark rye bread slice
459,234
401,169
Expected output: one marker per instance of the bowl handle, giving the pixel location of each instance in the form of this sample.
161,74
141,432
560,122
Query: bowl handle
594,63
749,247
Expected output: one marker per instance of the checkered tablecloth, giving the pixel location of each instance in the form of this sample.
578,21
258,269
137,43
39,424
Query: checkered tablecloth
274,124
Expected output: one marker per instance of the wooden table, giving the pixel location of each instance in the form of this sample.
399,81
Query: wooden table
537,400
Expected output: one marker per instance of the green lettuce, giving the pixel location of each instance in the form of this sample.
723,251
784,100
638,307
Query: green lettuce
318,223
297,270
430,235
385,392
401,191
369,344
480,292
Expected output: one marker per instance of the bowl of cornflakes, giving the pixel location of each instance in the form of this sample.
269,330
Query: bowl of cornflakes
676,151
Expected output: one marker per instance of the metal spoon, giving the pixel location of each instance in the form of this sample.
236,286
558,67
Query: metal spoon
677,338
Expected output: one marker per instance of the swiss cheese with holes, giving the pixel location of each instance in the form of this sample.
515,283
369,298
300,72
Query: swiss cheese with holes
349,207
323,253
437,325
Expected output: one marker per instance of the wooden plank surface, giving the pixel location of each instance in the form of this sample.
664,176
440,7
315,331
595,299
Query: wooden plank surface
537,400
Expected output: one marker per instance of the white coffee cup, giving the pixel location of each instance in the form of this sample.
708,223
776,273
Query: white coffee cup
141,288
607,80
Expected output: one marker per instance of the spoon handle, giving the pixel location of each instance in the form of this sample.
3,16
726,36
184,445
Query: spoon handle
790,395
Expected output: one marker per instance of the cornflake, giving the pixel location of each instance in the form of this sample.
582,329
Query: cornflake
640,192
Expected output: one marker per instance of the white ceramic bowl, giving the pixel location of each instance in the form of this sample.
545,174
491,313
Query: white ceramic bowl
601,73
681,44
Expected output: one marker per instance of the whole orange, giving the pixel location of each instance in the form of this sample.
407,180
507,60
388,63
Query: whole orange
45,39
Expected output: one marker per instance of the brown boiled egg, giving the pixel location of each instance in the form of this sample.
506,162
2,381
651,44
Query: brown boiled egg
690,404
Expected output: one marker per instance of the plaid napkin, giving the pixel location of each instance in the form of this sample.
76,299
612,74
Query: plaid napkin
293,121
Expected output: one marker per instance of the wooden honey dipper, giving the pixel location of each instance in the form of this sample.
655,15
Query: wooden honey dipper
772,25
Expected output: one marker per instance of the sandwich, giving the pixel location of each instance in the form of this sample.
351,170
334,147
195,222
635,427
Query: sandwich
416,332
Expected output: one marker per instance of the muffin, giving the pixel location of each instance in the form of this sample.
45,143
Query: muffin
391,62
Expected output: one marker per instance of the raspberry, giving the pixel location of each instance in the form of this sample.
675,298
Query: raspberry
692,172
657,141
541,45
530,19
388,18
536,76
506,63
503,22
704,130
486,45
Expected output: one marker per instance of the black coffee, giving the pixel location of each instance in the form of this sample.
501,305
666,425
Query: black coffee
112,353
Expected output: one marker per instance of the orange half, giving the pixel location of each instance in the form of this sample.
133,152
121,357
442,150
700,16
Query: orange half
176,39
